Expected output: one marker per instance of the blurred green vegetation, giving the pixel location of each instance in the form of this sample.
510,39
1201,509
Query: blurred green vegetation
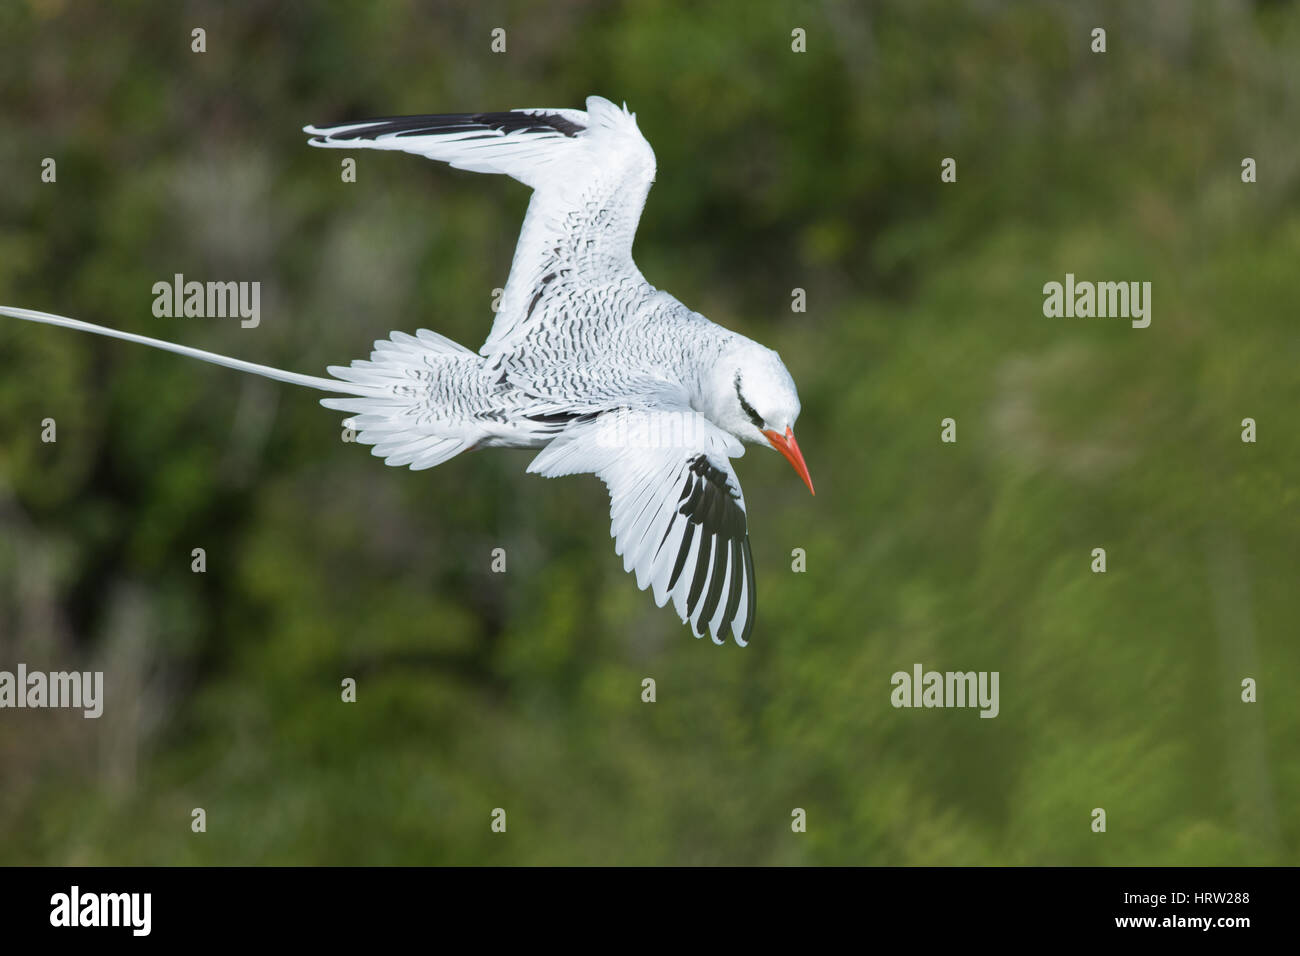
777,170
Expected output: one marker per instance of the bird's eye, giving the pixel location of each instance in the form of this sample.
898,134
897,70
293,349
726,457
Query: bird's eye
748,409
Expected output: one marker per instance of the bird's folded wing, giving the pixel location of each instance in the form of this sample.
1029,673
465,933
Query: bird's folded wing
677,512
590,171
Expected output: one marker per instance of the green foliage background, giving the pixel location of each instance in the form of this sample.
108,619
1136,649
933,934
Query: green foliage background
776,170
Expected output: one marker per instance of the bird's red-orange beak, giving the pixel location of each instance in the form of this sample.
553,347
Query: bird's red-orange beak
787,446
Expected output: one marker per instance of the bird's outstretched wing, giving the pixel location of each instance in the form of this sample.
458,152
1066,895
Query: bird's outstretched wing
676,510
590,172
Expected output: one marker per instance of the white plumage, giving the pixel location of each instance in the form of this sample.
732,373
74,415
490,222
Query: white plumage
585,359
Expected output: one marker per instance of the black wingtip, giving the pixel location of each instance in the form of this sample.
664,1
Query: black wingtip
428,124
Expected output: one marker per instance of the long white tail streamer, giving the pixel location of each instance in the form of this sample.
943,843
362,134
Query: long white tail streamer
279,375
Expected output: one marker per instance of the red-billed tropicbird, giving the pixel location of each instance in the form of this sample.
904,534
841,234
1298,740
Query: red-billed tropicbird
586,360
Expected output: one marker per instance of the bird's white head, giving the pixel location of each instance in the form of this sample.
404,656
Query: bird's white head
750,394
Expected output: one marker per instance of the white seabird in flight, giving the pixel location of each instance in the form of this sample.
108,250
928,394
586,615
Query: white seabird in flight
586,360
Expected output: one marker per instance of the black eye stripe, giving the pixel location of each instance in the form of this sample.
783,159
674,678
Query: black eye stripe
748,408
